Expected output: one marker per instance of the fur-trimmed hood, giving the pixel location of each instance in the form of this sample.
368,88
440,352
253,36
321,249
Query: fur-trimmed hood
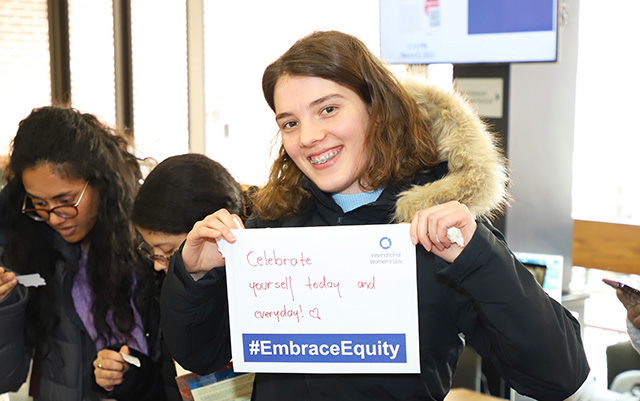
477,169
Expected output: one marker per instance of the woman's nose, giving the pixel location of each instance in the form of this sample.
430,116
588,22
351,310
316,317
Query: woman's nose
310,134
160,266
54,219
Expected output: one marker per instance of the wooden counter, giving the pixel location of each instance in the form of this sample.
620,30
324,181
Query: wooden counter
463,394
606,246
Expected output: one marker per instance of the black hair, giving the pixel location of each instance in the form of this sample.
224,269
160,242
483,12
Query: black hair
183,190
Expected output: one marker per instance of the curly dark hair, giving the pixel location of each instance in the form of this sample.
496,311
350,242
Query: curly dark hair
77,146
183,190
399,142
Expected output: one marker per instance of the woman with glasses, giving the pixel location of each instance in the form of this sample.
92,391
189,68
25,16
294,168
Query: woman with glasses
175,195
66,216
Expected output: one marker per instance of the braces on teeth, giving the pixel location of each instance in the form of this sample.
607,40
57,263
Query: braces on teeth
324,158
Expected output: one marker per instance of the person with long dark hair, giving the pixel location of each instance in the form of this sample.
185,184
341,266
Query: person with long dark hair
66,216
360,147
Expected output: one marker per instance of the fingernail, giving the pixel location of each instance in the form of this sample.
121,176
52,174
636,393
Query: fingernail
414,240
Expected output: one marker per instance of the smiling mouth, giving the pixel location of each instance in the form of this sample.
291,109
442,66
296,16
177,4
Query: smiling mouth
324,158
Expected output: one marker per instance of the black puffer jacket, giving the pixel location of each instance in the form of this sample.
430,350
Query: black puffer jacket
66,373
486,295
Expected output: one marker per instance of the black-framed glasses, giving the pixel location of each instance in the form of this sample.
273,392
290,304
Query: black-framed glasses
64,211
146,250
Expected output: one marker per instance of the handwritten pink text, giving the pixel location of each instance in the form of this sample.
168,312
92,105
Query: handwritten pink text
262,259
284,284
323,284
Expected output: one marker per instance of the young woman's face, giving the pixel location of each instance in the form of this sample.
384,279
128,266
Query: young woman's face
164,245
47,189
323,126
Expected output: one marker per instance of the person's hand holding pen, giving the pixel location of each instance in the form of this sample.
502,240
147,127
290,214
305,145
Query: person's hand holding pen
632,304
7,283
200,252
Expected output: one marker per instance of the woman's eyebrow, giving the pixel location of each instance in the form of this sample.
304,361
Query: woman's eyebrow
62,195
324,99
283,115
311,105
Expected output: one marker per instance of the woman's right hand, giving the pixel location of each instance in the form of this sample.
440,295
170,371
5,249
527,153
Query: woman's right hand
200,252
110,367
7,283
632,304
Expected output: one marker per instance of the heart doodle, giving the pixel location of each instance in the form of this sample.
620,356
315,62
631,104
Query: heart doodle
315,313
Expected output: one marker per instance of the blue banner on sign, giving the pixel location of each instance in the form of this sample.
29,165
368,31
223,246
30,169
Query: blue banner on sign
334,348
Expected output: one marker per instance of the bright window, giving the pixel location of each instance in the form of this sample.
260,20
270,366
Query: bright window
91,50
160,98
24,63
607,138
241,39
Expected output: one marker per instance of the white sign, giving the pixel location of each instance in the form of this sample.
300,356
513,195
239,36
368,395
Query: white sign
486,93
323,300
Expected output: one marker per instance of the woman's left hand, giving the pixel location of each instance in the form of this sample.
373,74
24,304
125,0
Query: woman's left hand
110,367
429,228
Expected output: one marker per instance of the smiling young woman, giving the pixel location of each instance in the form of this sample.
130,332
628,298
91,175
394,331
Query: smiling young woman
361,148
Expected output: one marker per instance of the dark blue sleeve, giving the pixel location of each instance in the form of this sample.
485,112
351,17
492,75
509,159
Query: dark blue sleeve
144,383
534,342
195,318
14,354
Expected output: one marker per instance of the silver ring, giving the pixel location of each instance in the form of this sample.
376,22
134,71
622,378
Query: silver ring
99,365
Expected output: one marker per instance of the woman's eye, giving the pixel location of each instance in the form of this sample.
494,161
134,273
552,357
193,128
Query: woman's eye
168,253
289,124
38,203
328,109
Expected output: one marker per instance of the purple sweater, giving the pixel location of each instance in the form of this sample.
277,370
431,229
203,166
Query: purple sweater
83,300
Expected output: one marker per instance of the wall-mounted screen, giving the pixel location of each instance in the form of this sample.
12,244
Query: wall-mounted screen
468,31
547,269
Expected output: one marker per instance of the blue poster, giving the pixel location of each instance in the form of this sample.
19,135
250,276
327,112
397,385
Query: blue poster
501,16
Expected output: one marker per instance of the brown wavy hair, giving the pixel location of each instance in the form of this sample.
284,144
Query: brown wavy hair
398,140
